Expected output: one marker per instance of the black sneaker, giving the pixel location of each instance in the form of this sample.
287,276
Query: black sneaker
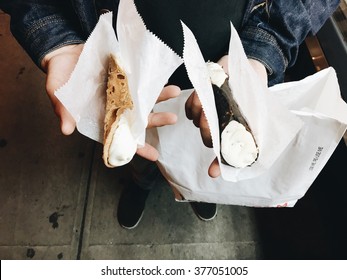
205,211
131,206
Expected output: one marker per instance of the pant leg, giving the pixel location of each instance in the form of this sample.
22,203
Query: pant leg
144,172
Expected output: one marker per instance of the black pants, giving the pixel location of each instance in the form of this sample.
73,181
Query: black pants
209,20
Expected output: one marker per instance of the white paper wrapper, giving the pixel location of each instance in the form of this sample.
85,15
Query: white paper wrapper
184,160
147,61
272,125
297,127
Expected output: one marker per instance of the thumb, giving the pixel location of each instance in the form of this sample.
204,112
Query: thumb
214,169
67,122
148,152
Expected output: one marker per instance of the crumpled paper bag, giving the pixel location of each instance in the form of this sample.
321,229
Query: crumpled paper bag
185,164
272,125
313,116
146,60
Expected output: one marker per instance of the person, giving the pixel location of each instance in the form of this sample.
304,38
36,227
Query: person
53,33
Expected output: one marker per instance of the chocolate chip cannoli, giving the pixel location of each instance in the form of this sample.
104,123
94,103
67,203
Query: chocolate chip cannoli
238,146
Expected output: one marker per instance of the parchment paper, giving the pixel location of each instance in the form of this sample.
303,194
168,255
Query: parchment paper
146,60
272,125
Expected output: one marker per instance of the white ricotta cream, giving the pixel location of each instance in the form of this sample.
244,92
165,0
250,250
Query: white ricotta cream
217,74
238,146
123,146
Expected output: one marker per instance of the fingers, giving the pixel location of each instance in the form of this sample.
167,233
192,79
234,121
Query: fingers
205,131
193,108
158,120
195,113
169,92
148,152
161,119
164,118
214,169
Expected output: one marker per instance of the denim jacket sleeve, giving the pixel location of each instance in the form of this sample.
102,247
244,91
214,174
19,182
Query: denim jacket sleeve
41,26
273,30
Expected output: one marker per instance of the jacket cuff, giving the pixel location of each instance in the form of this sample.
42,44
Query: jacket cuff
46,35
262,46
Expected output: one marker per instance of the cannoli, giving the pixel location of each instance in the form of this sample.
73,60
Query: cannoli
119,143
238,146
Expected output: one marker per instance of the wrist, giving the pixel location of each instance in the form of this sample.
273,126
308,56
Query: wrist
260,69
76,48
223,61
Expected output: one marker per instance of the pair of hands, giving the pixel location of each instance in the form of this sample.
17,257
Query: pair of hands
60,63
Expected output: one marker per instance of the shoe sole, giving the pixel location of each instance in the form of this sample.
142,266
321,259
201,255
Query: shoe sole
206,220
134,226
202,218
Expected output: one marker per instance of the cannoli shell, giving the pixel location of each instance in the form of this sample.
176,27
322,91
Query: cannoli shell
118,100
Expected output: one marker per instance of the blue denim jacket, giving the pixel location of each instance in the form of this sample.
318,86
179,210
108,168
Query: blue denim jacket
271,30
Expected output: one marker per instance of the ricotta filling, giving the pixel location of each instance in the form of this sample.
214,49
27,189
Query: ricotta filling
123,146
238,146
216,73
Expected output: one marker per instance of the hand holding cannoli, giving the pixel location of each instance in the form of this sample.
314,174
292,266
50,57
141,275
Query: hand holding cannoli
238,146
119,143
